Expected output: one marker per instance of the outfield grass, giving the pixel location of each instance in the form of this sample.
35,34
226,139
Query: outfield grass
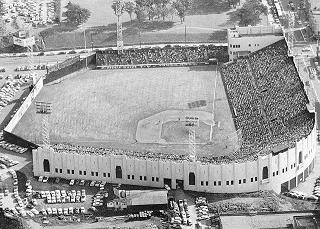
103,107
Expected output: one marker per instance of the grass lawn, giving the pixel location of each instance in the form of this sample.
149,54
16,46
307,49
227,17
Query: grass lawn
206,21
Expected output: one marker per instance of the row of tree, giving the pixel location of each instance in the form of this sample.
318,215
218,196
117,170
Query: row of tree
249,13
153,9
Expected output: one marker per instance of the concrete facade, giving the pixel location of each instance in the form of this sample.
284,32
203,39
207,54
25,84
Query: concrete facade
245,40
270,172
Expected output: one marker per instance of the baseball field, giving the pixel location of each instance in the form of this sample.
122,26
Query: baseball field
104,107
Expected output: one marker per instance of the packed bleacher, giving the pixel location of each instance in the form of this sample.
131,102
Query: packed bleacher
166,55
69,148
268,100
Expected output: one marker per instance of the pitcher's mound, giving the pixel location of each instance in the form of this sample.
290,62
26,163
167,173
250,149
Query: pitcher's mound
177,133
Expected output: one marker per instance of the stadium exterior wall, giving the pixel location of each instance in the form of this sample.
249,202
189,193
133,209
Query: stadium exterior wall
271,172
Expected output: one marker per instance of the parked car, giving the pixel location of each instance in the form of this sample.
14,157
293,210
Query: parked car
49,211
60,212
65,211
71,182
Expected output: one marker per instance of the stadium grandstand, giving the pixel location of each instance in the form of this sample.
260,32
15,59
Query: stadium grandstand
268,105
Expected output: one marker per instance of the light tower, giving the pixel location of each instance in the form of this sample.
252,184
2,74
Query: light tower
191,123
27,40
291,21
119,12
44,109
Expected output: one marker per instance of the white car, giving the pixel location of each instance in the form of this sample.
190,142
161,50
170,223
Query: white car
49,211
71,182
43,194
40,178
71,210
82,183
45,179
35,211
23,213
82,210
60,212
43,212
30,213
54,211
92,183
63,193
65,211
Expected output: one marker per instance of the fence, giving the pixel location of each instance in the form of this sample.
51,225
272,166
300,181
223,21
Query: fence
63,64
70,68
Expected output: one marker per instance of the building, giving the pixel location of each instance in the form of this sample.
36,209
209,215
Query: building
245,40
285,163
278,171
315,21
135,200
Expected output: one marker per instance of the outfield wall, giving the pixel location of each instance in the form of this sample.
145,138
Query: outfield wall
279,172
65,69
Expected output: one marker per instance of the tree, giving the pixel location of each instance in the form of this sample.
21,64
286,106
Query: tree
181,7
140,14
129,7
75,15
249,13
2,23
163,11
2,8
114,7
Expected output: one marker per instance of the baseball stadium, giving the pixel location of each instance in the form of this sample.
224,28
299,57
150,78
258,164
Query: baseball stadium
126,119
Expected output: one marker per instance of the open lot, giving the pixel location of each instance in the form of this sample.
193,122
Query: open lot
206,21
103,107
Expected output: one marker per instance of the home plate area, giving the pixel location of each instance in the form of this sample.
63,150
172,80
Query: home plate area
169,127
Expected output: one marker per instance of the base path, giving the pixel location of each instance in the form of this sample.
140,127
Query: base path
149,129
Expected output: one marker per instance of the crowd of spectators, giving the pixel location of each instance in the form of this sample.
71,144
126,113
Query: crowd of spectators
268,100
168,54
69,148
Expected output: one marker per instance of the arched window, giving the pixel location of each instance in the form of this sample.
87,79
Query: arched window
300,157
192,179
118,172
265,172
46,165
